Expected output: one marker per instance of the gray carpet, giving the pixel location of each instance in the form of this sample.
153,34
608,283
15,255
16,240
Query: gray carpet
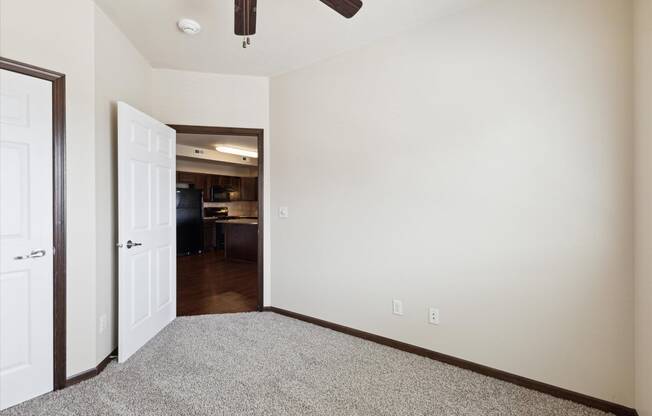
266,364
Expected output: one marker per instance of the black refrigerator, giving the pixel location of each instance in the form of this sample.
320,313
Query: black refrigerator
189,222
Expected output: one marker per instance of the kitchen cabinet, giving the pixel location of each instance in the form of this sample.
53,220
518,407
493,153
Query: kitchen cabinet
210,237
210,181
241,241
249,189
232,182
244,189
186,177
195,180
200,183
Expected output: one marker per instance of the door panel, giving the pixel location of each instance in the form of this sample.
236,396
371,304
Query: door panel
146,215
164,292
164,178
15,320
26,225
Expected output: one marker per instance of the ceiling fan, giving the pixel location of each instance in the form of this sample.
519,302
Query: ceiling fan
245,15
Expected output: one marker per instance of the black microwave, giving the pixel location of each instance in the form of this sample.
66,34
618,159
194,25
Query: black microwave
219,193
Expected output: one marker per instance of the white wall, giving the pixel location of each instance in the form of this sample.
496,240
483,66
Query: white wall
121,74
58,35
481,164
213,156
644,207
195,98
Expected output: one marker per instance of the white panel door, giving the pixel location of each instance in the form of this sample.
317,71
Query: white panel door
146,228
26,232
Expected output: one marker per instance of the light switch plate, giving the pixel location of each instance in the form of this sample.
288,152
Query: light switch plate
397,307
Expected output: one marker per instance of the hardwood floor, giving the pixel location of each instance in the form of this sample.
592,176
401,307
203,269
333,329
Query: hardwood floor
209,284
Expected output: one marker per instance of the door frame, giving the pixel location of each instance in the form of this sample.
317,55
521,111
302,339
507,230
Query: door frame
59,207
260,135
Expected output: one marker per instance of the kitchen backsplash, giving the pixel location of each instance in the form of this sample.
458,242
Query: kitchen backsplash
238,209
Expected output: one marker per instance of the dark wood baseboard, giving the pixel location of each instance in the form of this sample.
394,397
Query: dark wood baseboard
90,373
551,390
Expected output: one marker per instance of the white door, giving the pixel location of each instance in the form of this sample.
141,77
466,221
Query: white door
26,232
147,286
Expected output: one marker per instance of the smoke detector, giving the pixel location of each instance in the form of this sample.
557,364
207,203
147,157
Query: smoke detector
189,26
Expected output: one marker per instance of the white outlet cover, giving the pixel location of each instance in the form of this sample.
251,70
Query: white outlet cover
433,316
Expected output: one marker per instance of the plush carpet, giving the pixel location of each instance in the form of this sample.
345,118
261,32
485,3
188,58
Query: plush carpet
267,364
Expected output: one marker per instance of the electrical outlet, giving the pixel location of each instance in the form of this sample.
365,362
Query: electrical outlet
397,307
283,212
102,323
433,316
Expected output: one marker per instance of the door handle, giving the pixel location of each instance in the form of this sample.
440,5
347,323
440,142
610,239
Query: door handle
33,255
130,244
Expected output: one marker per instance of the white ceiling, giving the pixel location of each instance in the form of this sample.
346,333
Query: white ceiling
290,33
209,141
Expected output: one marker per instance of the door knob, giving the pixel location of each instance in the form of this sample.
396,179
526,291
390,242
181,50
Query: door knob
130,244
33,255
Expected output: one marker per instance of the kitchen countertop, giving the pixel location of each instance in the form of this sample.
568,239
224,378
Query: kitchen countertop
240,221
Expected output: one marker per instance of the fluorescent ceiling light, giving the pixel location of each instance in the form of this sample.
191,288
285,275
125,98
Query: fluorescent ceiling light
236,151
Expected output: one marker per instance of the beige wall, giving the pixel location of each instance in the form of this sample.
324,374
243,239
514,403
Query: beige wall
102,66
644,207
121,74
196,98
184,165
486,164
58,35
213,156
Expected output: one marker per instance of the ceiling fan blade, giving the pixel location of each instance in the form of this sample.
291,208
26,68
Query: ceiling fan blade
245,17
347,8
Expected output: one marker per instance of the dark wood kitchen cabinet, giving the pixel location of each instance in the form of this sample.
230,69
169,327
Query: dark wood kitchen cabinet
186,177
232,182
241,242
200,184
210,237
210,181
249,189
243,189
195,180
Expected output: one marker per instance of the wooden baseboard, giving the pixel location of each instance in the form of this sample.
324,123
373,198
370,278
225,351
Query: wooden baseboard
551,390
90,373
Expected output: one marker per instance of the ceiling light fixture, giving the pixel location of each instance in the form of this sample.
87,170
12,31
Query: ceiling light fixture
189,26
237,151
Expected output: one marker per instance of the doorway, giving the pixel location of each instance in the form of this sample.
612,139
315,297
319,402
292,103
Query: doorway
220,188
32,232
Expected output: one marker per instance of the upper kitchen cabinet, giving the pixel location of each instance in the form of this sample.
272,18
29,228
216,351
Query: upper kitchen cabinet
211,180
194,180
241,189
186,177
232,182
249,189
